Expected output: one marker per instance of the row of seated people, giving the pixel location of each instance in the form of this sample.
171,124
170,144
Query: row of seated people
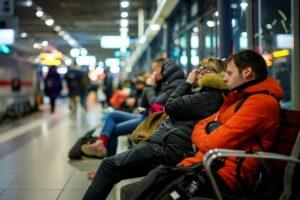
210,116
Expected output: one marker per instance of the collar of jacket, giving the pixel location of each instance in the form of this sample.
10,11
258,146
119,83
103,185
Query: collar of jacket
213,80
247,84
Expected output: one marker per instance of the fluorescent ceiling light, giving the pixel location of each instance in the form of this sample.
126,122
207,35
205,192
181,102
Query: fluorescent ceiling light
244,5
7,36
114,42
124,4
244,34
86,60
61,33
68,62
39,13
24,35
75,52
57,28
124,22
49,22
83,51
124,14
112,62
155,27
210,23
45,43
63,70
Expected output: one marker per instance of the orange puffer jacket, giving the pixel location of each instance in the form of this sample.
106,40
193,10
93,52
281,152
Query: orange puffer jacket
259,116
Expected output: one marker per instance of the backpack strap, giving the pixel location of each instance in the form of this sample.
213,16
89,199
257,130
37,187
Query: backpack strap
241,102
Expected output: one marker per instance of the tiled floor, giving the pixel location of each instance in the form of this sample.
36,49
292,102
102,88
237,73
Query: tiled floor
37,166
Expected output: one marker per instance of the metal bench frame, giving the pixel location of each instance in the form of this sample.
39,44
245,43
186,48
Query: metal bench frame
292,160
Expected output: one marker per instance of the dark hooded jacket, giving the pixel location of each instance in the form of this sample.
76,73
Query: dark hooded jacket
185,108
172,76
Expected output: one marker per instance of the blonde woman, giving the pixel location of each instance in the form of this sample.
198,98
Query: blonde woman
171,142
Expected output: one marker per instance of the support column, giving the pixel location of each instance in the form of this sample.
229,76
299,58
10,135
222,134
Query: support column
295,73
224,29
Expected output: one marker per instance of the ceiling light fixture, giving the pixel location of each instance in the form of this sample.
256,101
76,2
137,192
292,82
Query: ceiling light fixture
124,4
45,43
124,23
124,14
57,28
39,13
24,35
49,22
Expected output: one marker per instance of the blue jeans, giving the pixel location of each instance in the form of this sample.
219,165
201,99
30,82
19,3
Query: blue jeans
119,123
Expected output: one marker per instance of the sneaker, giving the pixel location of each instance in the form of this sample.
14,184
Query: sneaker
92,150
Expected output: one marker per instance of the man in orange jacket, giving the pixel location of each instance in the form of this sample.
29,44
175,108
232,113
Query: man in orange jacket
253,125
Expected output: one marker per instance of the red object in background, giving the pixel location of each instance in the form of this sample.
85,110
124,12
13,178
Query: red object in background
118,98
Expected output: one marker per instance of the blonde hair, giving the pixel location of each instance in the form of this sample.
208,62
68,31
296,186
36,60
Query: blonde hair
220,65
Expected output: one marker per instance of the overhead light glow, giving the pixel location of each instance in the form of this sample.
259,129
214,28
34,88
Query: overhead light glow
269,26
83,52
74,52
49,22
114,42
244,34
86,60
66,37
124,23
210,23
72,42
62,70
61,33
124,4
36,45
45,43
24,35
28,3
244,5
57,28
196,29
216,14
7,36
68,62
112,62
281,53
39,13
124,14
155,27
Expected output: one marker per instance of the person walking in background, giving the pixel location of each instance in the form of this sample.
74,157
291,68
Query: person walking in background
53,86
73,78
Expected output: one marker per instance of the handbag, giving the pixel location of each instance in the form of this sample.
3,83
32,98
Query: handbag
147,127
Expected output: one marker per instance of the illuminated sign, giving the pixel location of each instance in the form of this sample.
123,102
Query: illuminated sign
51,59
281,53
4,49
86,60
114,42
7,36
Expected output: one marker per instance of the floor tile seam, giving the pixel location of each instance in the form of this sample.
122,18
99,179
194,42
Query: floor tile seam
65,184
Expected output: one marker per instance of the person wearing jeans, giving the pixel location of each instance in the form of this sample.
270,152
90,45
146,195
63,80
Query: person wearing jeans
165,78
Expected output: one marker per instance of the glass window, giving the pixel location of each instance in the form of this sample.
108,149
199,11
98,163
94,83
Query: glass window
274,40
194,46
210,31
238,22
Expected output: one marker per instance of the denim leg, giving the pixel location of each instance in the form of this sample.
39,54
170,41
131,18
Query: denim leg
123,128
135,162
115,118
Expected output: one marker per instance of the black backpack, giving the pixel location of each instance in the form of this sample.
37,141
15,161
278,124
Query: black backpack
75,152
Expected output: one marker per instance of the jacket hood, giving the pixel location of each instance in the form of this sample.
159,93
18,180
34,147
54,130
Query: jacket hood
269,84
213,80
171,71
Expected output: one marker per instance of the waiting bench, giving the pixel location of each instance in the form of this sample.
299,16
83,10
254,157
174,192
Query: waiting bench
284,157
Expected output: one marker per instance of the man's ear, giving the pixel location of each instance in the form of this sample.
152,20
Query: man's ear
248,73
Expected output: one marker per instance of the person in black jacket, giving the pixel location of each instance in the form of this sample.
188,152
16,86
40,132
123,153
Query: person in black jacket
171,142
164,80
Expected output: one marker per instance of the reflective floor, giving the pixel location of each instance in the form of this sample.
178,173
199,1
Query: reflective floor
33,156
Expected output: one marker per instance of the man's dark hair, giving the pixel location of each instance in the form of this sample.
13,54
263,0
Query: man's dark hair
250,58
160,61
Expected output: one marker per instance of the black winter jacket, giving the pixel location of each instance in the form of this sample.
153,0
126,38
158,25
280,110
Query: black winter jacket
185,108
172,77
